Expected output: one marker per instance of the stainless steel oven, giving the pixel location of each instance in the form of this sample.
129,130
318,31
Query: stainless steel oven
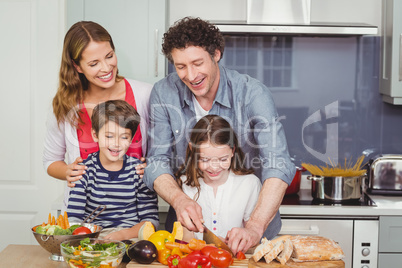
357,236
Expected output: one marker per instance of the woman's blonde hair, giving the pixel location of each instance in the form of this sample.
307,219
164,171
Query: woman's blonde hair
216,130
72,84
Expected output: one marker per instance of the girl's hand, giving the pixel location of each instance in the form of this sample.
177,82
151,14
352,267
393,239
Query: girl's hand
74,172
141,167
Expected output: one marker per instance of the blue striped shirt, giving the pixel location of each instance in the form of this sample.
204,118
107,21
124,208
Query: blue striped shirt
128,200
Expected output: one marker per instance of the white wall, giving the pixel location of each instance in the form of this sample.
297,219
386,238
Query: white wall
31,33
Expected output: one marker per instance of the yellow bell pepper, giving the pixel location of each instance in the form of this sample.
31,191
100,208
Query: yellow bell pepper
177,251
159,239
163,255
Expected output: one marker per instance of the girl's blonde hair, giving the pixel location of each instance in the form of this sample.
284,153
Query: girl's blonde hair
72,84
217,131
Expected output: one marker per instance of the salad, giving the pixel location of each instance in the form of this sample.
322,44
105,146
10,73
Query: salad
93,255
49,229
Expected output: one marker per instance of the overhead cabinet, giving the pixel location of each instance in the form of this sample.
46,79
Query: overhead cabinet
391,53
136,26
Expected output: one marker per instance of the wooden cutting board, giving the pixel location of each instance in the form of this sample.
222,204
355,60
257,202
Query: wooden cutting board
249,262
306,264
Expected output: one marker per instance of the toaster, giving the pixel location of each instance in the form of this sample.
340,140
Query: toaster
385,175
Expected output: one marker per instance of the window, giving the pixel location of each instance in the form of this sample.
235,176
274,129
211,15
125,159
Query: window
266,58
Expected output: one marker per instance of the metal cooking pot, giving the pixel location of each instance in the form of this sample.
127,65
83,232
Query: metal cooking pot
336,188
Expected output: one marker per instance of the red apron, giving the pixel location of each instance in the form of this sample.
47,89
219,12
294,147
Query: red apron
86,142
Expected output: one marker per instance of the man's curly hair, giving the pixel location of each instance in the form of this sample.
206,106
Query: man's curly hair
192,32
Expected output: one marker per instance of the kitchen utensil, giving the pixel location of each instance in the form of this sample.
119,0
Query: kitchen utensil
385,175
294,187
336,188
89,219
211,238
52,242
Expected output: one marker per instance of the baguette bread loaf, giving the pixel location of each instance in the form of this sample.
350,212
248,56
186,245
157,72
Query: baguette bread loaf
315,248
278,247
281,238
262,249
287,251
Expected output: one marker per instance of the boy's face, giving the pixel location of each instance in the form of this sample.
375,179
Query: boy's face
113,141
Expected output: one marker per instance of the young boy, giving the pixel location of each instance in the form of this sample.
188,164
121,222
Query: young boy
111,178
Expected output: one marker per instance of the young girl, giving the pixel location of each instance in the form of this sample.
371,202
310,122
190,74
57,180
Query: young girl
215,176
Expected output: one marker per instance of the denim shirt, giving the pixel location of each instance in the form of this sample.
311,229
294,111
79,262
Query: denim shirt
243,101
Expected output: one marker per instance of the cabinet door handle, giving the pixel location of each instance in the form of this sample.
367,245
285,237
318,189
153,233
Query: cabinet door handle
156,52
400,58
311,230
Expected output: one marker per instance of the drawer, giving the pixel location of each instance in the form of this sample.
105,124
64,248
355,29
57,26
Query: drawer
390,235
389,260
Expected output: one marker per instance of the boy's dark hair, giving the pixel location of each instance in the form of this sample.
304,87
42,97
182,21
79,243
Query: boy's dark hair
117,111
192,32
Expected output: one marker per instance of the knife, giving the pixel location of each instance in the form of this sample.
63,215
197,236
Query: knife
211,238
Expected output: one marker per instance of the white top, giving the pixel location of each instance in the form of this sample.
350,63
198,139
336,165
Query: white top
61,141
199,111
231,207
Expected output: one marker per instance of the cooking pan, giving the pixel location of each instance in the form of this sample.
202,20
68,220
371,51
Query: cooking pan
336,188
294,187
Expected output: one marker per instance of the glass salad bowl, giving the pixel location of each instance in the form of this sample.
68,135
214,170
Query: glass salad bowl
93,252
52,242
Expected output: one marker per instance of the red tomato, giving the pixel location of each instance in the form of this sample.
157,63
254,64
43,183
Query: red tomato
207,250
220,258
240,255
82,230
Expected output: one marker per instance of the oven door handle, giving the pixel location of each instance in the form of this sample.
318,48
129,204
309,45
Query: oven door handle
312,230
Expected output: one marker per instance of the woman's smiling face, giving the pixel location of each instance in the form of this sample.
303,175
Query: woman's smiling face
99,64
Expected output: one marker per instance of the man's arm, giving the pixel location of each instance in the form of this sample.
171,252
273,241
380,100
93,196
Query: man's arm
269,200
276,167
188,212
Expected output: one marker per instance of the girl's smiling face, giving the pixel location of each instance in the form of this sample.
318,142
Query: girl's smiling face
214,162
113,141
99,64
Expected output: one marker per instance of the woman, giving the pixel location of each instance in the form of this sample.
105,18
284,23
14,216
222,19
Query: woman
88,76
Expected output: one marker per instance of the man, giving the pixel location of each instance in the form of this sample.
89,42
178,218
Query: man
201,86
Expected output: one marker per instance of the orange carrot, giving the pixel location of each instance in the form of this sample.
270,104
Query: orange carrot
49,221
53,221
61,220
66,223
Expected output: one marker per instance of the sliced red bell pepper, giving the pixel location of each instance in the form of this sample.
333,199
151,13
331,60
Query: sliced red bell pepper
173,261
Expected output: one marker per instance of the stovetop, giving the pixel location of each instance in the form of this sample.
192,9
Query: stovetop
304,197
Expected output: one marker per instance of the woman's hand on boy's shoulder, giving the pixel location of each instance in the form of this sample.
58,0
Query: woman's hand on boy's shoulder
75,171
140,168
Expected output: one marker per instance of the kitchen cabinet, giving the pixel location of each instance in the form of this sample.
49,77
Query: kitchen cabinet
391,53
136,26
390,246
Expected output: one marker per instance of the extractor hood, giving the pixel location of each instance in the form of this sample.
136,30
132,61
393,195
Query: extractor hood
291,17
313,28
298,17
